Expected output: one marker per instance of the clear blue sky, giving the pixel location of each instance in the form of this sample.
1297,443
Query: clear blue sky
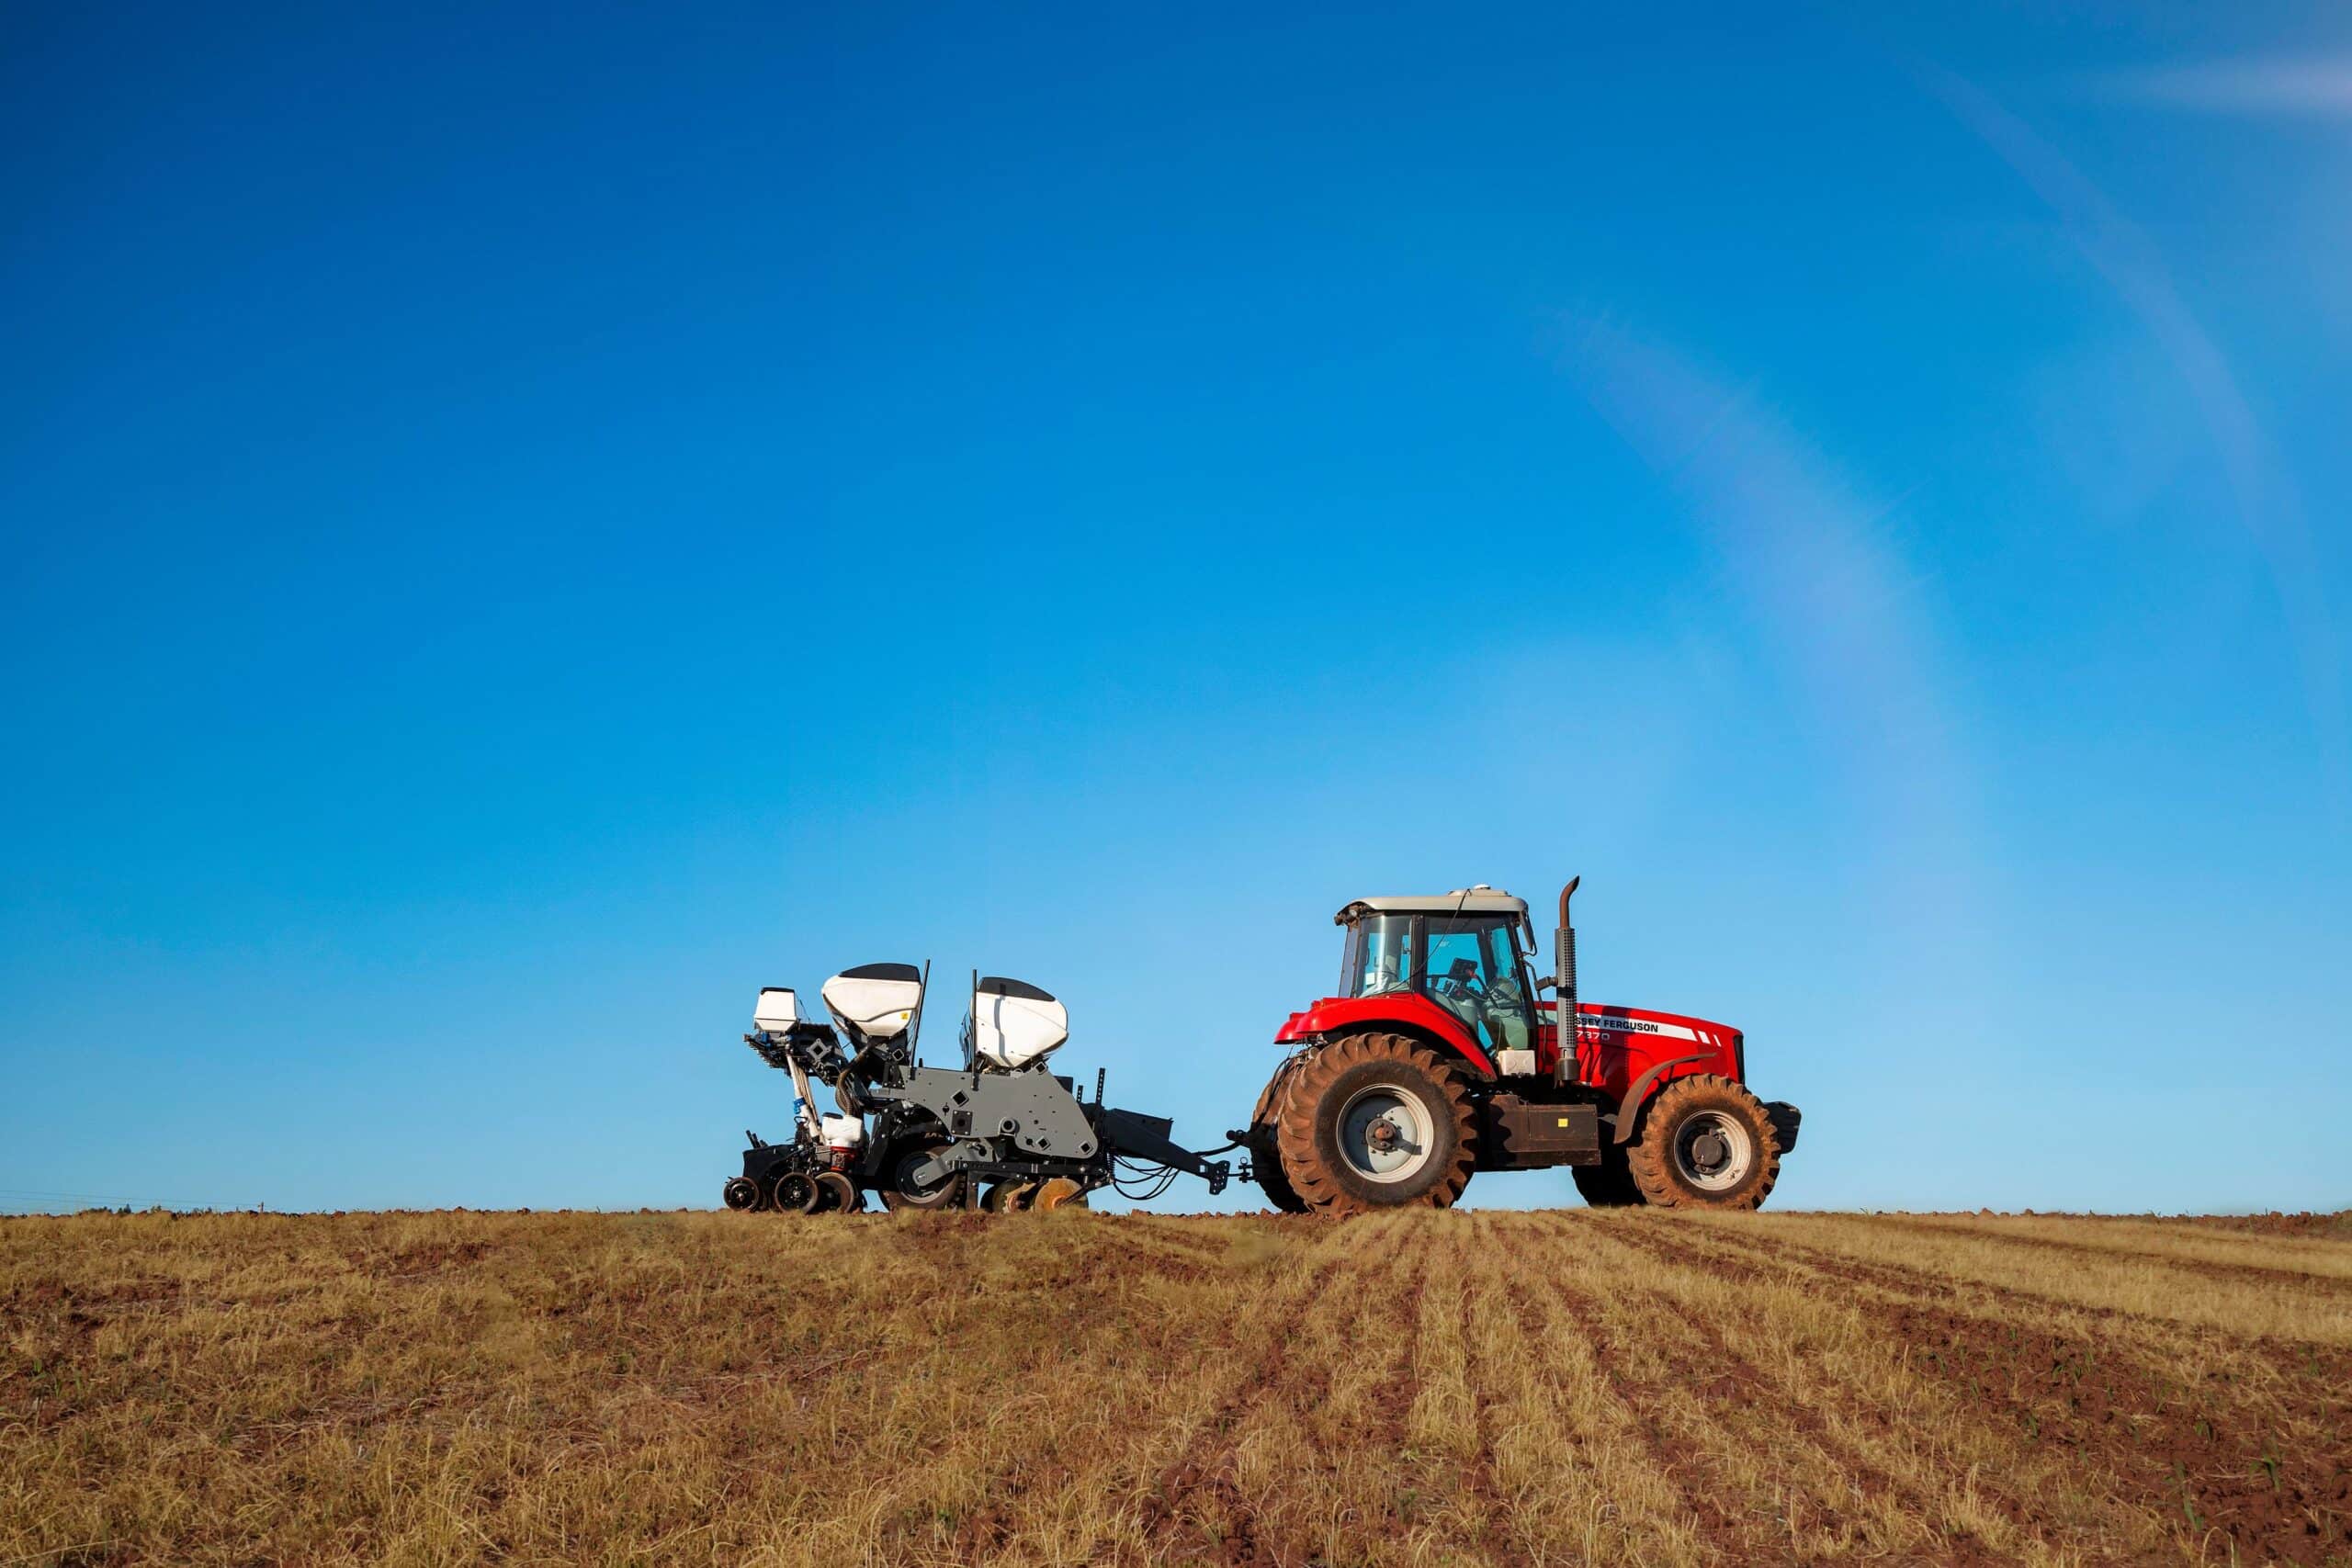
525,524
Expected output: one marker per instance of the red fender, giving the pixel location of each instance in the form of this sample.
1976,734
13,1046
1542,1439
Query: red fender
1407,1012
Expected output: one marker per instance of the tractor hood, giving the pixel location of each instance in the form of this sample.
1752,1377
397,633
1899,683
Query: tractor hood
1613,1044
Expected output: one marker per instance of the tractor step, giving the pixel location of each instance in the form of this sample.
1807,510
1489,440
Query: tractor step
1521,1136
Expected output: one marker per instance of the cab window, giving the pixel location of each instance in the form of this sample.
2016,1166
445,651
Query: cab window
1475,972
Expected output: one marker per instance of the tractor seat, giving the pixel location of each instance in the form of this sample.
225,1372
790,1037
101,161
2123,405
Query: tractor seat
874,1002
1013,1023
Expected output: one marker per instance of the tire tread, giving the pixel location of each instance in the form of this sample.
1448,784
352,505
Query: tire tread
1651,1159
1302,1097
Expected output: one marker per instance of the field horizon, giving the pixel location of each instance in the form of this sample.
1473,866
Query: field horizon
1475,1386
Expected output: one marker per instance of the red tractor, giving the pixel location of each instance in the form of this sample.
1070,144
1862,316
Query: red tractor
1436,1059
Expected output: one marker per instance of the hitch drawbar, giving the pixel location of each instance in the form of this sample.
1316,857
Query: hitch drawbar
1001,1131
1137,1136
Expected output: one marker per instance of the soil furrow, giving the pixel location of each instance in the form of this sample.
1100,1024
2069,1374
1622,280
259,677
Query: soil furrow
2321,1285
2168,1335
1760,1388
1199,1472
1618,1355
2198,1458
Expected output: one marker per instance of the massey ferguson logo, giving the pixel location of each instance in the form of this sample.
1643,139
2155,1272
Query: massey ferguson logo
1621,1026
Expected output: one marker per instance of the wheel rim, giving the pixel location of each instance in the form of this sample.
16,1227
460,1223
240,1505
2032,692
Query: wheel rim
1386,1134
795,1193
1713,1152
740,1193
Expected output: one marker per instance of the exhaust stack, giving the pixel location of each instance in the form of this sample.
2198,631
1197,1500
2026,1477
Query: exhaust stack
1564,990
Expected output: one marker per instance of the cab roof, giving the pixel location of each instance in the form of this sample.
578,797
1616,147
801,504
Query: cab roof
1479,900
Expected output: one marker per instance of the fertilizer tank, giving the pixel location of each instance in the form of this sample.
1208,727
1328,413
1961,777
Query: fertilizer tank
874,1002
1014,1023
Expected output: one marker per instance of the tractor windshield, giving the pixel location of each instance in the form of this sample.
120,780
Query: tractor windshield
1379,957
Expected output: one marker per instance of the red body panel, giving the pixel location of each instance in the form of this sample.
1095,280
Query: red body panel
1615,1045
1410,1010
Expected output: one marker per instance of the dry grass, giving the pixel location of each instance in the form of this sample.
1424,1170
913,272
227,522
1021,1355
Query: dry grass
1425,1388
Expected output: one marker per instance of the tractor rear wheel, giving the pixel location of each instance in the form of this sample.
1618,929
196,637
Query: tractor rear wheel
1375,1122
1705,1142
1610,1184
1265,1143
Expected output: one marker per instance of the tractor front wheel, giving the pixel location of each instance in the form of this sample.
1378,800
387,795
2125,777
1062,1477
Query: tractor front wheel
1705,1142
1374,1122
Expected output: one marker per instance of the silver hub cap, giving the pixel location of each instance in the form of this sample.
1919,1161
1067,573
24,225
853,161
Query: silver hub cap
1386,1134
1713,1152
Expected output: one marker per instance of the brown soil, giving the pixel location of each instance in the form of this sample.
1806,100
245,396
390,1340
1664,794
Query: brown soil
2183,1438
1053,1388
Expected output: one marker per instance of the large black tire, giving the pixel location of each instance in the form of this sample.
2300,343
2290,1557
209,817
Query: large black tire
1705,1142
904,1156
1333,1105
1265,1145
1610,1184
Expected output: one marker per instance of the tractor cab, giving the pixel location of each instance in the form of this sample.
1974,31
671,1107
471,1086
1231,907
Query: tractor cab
1466,950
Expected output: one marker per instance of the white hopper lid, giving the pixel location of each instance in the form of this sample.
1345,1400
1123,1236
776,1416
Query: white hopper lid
777,1011
1014,1023
875,999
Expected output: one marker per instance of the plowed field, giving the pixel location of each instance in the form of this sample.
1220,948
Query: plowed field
1619,1387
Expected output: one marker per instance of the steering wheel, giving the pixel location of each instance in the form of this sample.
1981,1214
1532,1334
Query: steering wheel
1455,983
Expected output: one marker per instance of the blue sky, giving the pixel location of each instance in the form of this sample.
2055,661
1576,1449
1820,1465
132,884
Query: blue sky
527,524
